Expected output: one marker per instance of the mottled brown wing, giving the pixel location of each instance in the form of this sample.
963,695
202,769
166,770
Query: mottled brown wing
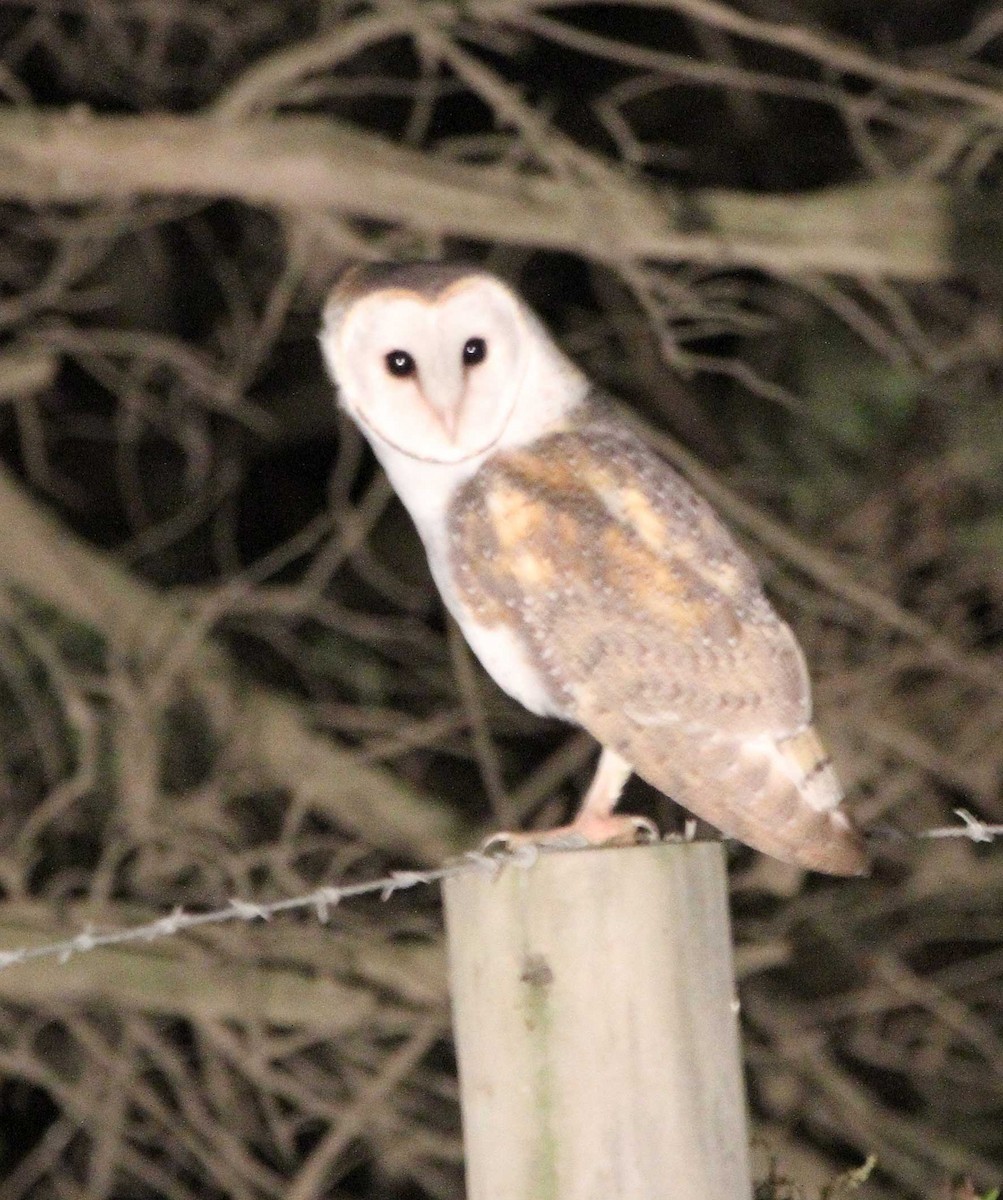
630,591
651,630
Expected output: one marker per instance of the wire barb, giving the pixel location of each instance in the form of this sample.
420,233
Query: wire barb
971,827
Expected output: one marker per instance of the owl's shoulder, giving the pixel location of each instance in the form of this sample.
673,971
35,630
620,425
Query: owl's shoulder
593,489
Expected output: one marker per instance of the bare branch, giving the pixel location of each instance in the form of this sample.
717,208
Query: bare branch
272,739
897,228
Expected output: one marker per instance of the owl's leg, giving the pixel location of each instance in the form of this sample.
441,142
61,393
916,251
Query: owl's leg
595,823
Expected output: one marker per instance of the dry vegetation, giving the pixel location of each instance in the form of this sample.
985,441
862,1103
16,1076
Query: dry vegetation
774,230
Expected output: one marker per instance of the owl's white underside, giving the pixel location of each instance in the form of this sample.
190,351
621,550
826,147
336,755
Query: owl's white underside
503,654
426,490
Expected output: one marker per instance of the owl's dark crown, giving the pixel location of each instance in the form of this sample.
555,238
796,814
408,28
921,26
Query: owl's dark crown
425,279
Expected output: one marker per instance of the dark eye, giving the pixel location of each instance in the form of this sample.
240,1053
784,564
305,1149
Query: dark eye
474,351
400,364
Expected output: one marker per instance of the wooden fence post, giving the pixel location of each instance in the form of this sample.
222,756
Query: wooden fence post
596,1027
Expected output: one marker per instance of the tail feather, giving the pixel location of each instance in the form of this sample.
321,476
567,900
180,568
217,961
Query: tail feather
779,795
811,769
800,805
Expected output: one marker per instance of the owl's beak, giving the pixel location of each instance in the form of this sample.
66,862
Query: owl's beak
442,389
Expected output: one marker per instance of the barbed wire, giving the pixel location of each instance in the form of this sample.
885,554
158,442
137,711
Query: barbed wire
971,827
323,899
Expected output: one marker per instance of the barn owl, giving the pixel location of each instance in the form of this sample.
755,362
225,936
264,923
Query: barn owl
590,580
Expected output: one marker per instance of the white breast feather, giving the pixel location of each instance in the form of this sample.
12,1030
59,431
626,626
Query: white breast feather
503,655
426,490
500,651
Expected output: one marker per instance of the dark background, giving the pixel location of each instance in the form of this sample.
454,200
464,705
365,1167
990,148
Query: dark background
240,682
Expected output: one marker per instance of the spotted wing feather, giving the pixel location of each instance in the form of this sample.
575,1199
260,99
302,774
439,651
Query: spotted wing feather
651,630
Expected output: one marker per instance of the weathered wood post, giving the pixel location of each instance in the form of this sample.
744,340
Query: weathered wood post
596,1027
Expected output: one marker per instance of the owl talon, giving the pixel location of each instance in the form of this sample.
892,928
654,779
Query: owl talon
621,831
510,844
645,832
587,830
502,843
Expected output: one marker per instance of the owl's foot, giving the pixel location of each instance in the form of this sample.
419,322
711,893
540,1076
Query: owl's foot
588,829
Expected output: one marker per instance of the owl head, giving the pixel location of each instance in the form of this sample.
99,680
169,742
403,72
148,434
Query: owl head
442,364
